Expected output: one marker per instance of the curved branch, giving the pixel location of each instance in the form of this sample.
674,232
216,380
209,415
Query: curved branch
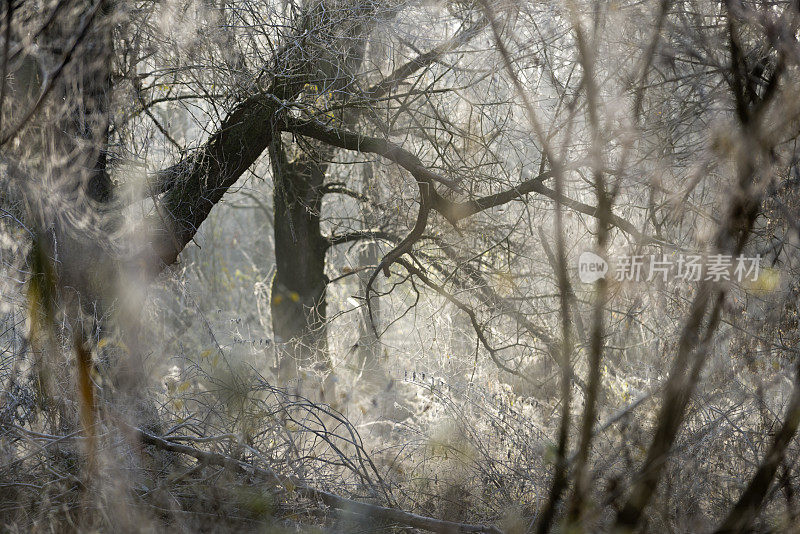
360,143
452,211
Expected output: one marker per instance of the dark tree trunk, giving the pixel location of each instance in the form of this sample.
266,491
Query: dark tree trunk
298,288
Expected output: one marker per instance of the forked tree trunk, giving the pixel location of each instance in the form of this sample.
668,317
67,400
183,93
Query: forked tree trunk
298,288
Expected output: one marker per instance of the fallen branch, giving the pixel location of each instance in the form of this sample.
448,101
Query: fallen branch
291,484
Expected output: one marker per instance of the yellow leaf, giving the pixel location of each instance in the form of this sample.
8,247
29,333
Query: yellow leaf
768,280
504,281
183,387
206,353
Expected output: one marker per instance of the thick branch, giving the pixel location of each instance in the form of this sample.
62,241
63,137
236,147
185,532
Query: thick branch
196,184
452,211
371,145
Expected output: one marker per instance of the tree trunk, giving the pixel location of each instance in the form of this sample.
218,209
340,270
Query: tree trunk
298,287
368,350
